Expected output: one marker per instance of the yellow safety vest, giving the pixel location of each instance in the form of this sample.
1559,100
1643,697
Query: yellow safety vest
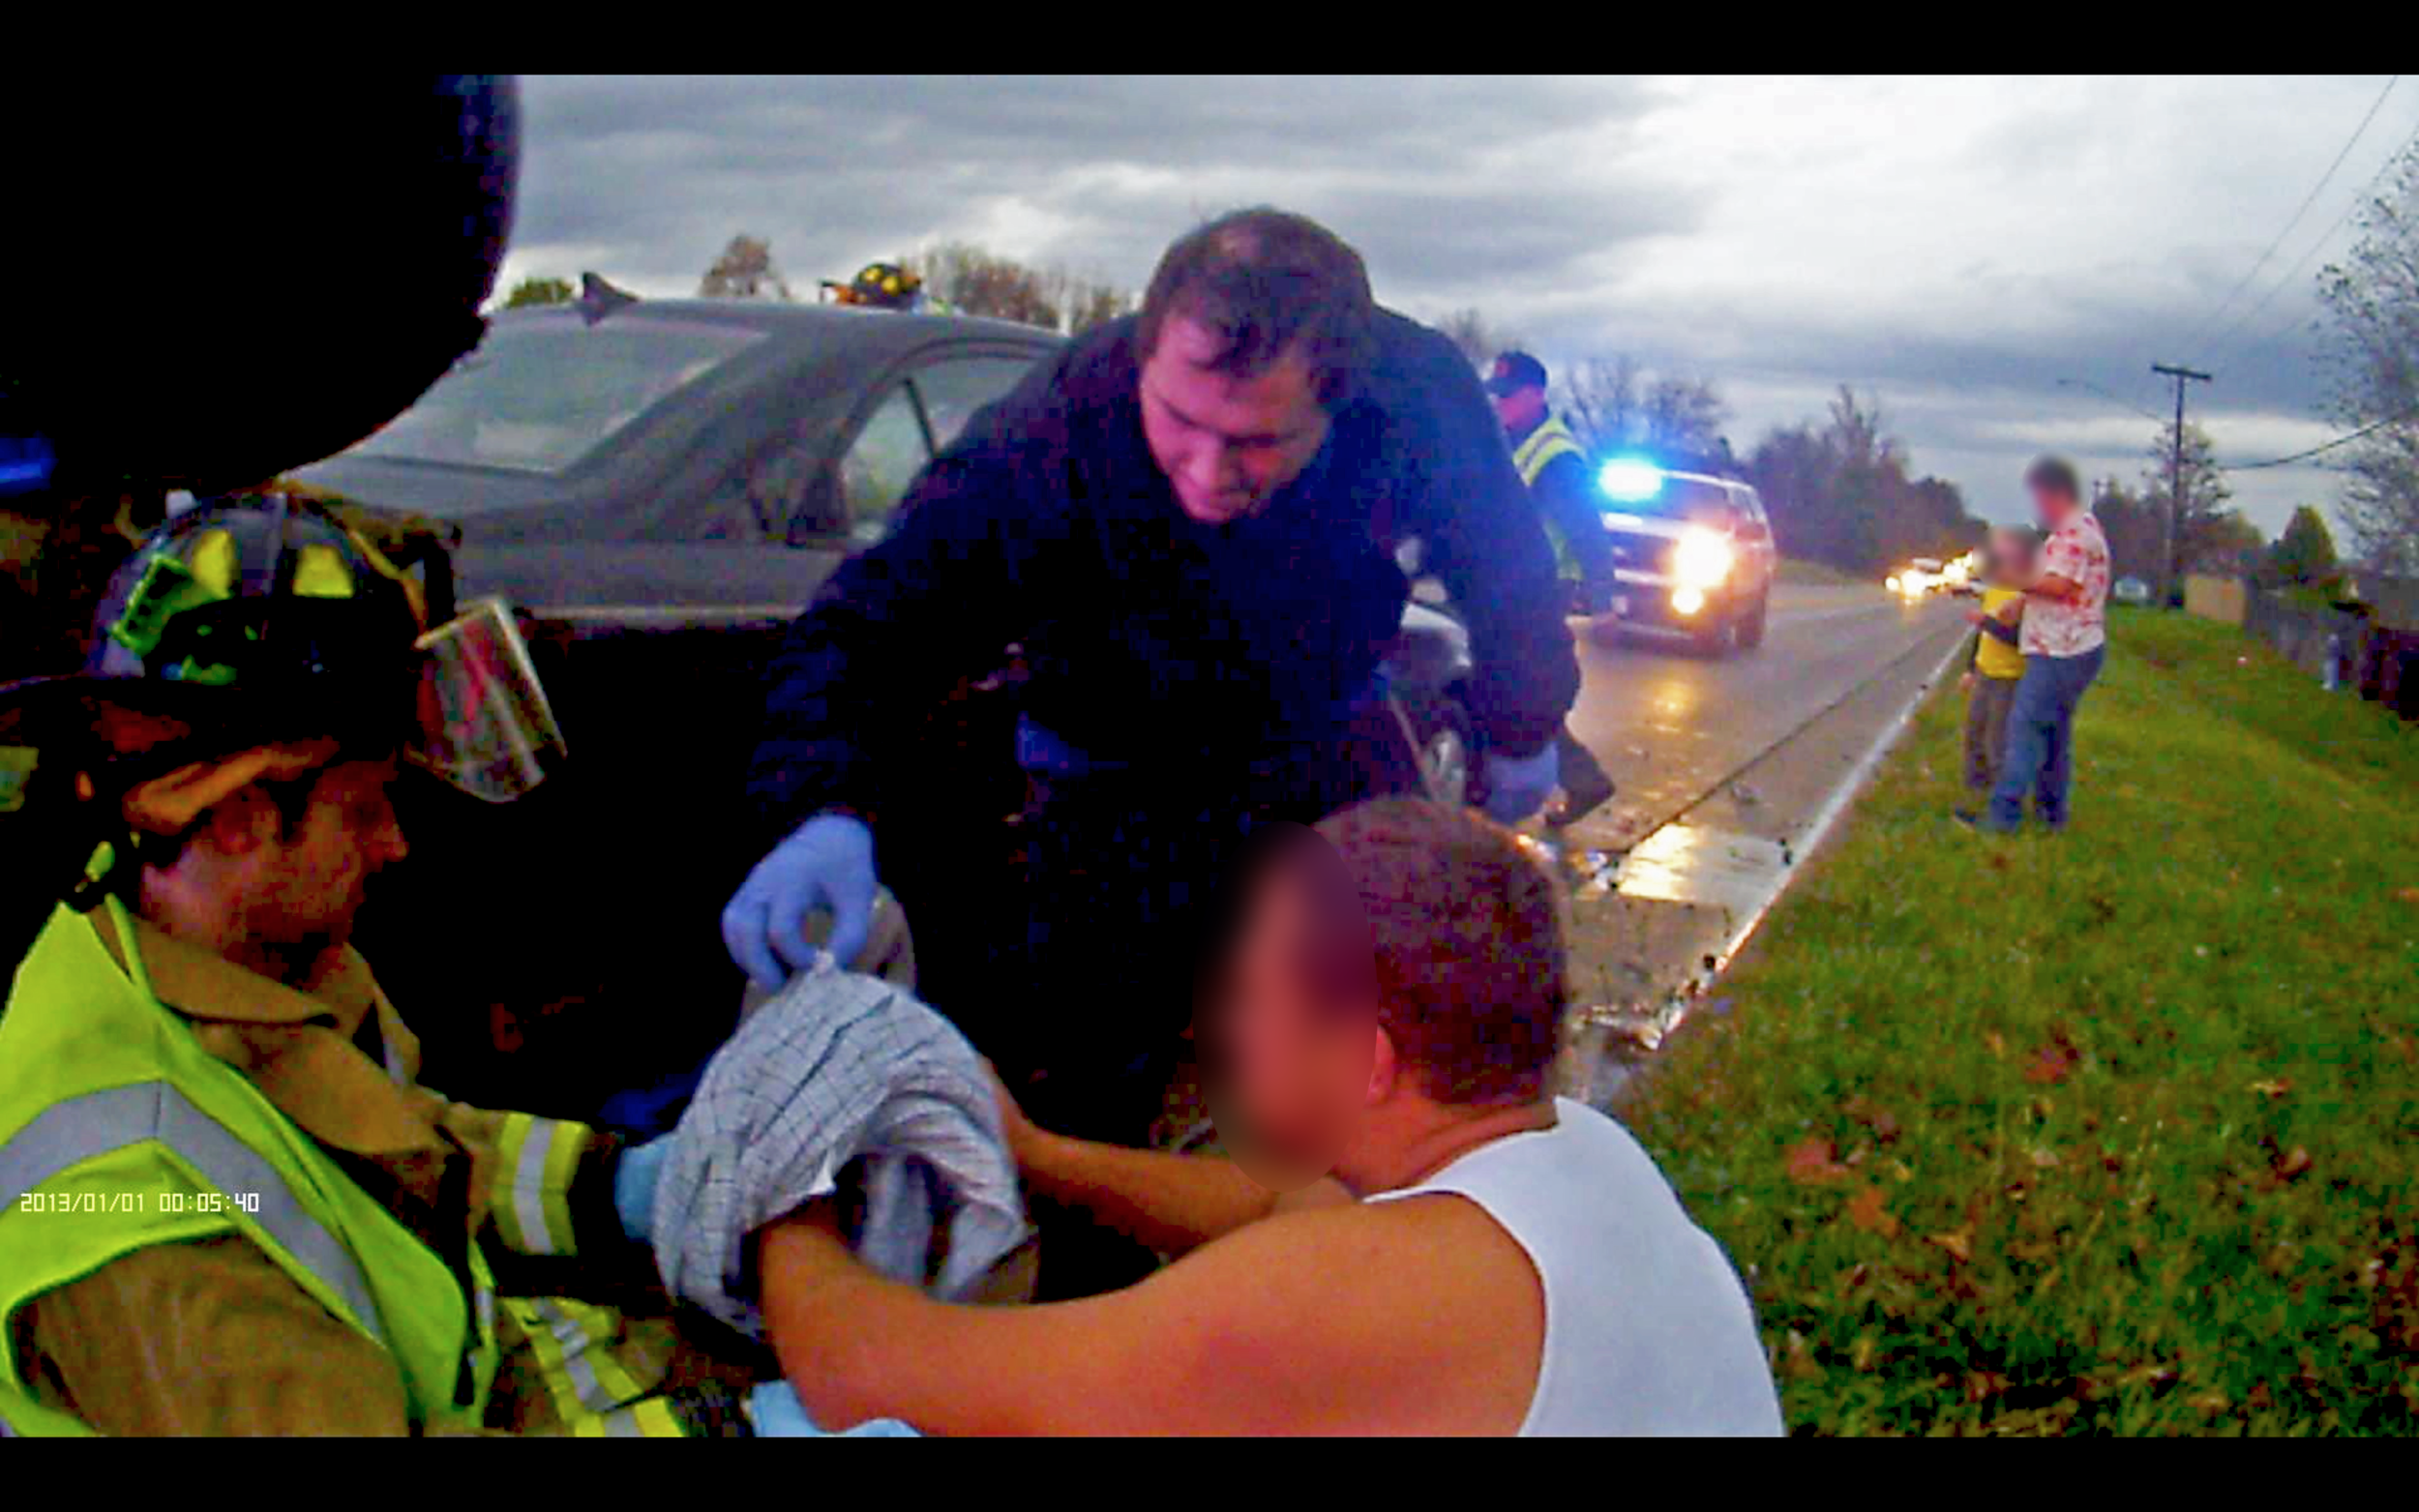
1542,445
1996,658
118,1131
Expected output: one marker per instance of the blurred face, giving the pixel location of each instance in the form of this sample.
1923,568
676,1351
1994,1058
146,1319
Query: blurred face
2011,561
1289,1043
1226,443
1521,408
307,885
2049,506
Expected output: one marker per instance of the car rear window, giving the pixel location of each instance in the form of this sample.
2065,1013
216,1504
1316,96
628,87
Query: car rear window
538,396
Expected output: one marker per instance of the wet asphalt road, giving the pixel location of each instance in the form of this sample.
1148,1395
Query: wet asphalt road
1670,723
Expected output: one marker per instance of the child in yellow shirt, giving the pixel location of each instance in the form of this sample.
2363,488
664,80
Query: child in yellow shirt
1991,675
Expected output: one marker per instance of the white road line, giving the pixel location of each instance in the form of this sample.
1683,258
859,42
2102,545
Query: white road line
1835,805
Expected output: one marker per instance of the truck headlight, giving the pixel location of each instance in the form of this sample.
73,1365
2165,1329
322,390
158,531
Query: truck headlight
1701,560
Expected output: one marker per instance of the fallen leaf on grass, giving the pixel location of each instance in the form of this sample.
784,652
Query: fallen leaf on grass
1878,1119
2053,1063
1960,1244
1812,1164
1866,1212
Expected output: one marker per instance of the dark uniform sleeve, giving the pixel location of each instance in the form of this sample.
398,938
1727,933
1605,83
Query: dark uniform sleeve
1486,543
898,624
1567,496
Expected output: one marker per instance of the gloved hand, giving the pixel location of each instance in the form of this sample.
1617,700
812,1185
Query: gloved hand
828,864
634,1186
775,1411
1517,787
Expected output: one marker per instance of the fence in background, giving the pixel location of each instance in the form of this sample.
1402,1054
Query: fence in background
2216,597
2377,653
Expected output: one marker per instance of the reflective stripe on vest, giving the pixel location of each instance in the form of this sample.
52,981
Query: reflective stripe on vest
68,1134
1542,445
572,1345
650,1419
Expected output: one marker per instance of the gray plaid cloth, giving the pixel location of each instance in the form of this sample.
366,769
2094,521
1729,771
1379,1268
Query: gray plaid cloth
833,1067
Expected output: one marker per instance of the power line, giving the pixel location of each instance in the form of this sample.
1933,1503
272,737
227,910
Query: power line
2340,440
2358,202
2081,383
2313,199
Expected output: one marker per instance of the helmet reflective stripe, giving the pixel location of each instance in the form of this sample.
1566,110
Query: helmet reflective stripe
68,1134
319,573
212,560
167,589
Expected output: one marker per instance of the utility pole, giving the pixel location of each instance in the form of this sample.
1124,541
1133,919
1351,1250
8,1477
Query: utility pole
2175,469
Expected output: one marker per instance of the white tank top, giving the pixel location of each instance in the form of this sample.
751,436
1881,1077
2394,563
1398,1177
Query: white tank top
1648,1328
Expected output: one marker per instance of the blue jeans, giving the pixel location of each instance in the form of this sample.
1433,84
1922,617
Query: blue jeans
2041,737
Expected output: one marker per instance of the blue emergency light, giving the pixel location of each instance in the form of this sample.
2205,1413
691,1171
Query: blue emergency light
1630,480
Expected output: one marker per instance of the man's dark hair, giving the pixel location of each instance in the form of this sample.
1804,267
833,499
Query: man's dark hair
1468,943
2054,475
1335,960
1266,284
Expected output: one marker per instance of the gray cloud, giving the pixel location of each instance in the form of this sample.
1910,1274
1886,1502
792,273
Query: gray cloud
1958,246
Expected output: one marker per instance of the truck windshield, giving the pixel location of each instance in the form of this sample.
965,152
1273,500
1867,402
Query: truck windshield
1691,500
538,396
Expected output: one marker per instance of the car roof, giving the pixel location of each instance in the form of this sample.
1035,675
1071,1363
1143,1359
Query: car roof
872,331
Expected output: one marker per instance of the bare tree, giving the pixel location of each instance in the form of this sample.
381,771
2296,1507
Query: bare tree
1479,338
744,271
1612,404
2373,354
978,281
975,282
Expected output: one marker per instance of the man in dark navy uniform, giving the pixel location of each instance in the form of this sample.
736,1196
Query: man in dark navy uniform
1188,524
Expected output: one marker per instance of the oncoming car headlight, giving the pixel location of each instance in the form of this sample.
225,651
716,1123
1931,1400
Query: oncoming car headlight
1701,560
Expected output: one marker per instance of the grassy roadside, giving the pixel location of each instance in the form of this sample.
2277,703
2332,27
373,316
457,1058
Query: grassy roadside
2109,1132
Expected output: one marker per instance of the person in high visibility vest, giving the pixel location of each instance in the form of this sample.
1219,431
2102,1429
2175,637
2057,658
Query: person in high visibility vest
1554,467
227,1206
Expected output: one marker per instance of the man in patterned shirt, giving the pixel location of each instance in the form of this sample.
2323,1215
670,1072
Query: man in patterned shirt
2065,637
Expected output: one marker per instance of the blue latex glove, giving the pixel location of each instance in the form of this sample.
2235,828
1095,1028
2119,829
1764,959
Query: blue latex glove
827,863
778,1414
634,1186
1517,787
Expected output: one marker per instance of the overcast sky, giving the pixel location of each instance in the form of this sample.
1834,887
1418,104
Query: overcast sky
1956,246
